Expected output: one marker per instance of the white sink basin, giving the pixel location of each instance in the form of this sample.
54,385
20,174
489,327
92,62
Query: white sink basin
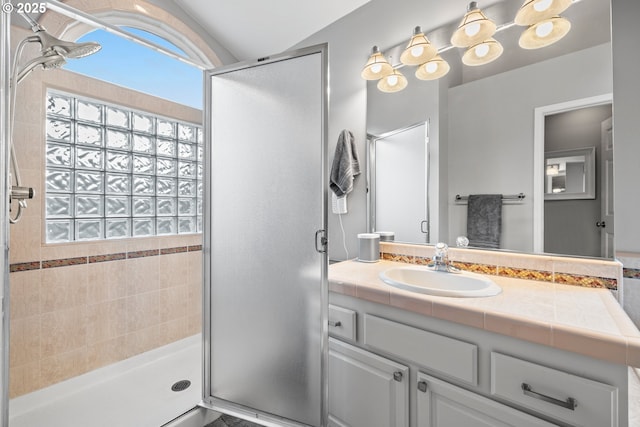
441,283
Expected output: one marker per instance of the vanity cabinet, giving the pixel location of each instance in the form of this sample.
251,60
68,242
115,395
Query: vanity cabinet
441,404
405,369
366,390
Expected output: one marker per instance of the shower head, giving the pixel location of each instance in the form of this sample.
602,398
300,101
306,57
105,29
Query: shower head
53,45
48,62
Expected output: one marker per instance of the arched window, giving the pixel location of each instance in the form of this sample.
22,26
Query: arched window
128,64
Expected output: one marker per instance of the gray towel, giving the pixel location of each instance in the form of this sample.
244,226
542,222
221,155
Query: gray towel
484,220
345,165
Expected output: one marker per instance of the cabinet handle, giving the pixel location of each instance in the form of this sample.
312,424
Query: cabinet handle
397,375
422,386
570,403
335,323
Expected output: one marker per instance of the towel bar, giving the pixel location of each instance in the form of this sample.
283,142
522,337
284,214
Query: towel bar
518,197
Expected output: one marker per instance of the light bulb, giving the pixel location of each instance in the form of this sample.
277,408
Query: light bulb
416,51
376,68
472,29
482,50
392,80
542,5
544,29
431,67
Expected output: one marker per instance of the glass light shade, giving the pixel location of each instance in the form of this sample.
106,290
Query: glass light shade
474,28
393,82
419,50
544,33
534,11
433,69
376,67
482,53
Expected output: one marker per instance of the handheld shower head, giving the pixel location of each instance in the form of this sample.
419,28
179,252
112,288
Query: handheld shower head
53,45
48,62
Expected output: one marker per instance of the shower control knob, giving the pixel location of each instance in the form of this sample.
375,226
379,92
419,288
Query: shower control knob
601,224
21,193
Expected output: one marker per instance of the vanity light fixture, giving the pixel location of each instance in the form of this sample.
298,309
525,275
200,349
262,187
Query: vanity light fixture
393,82
544,33
419,50
474,28
534,11
377,66
433,69
483,53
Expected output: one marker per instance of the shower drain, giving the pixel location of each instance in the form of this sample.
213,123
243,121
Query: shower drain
181,385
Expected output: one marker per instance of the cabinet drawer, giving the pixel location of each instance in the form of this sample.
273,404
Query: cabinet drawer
560,395
342,322
443,404
453,358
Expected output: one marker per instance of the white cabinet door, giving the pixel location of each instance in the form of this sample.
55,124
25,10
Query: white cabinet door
441,404
366,390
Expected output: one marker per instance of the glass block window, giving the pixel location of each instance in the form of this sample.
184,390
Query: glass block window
113,172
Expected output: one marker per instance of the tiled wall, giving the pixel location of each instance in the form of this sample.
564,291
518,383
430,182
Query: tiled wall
79,306
587,272
73,315
631,277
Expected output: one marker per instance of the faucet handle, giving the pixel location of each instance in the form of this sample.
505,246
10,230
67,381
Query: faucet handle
441,250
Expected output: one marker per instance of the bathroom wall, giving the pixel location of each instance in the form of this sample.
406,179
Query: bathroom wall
79,306
350,40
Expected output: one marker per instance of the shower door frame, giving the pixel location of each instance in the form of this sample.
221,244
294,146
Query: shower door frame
5,118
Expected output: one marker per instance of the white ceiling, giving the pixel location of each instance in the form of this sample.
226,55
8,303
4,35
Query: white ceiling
249,29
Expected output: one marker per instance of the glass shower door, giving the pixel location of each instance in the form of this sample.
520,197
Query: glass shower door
265,252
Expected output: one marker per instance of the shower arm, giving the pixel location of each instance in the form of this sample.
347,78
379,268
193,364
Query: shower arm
35,27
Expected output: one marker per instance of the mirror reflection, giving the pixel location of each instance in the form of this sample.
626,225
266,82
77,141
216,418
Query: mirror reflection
570,174
482,126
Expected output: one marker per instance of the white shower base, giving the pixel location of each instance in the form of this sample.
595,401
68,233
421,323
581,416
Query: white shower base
133,393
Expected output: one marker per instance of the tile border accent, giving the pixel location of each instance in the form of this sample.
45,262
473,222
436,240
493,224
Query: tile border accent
631,273
517,273
92,259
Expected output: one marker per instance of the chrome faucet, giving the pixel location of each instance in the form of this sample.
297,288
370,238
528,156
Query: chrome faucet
440,260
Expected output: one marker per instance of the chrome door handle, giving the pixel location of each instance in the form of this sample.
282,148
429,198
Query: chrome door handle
335,323
422,226
570,403
322,247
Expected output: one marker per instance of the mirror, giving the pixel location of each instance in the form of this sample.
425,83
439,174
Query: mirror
481,120
570,174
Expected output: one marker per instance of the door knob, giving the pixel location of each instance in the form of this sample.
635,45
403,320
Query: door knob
601,224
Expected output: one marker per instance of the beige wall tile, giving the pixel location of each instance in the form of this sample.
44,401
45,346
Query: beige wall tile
173,303
25,293
63,366
25,239
106,321
143,311
63,331
24,379
104,353
25,341
143,275
63,287
174,270
143,340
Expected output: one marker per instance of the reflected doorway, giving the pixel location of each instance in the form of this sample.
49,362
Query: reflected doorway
578,223
398,182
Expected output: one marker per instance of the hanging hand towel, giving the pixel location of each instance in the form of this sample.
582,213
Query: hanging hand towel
345,165
484,220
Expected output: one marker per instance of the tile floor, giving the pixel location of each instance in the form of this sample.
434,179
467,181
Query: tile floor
229,421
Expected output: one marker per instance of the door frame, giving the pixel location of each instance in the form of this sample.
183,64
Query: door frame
538,156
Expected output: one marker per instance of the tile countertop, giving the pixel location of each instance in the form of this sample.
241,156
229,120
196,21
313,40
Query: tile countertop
587,321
